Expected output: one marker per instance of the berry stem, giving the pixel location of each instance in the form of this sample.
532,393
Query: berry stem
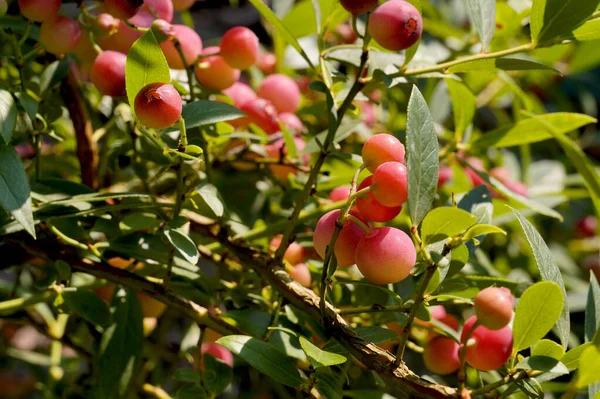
358,222
462,355
200,340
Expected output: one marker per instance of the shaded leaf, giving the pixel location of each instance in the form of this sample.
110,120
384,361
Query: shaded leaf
318,357
548,348
14,188
553,18
592,309
89,306
204,112
463,106
186,375
8,116
483,15
543,363
216,376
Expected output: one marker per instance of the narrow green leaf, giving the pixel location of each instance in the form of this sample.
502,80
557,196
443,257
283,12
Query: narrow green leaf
8,116
553,18
482,229
264,357
592,309
588,31
183,244
318,357
146,64
445,222
186,375
543,363
29,104
589,364
53,74
63,269
211,197
483,15
205,112
572,357
422,162
506,64
254,322
548,348
469,286
375,334
14,188
463,106
216,375
89,306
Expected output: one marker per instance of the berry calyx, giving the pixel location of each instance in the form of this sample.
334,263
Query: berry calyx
357,7
396,25
60,35
39,10
390,184
371,209
346,243
385,255
281,91
494,307
106,25
239,47
487,349
108,73
381,148
158,105
441,356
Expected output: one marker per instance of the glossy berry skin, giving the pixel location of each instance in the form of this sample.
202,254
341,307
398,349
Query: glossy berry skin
294,254
158,105
60,35
108,73
494,307
396,25
301,274
123,9
267,62
390,184
441,356
281,91
151,10
346,243
487,349
214,73
587,226
371,209
292,123
357,7
239,47
381,148
39,10
217,351
263,114
191,46
240,93
385,255
340,193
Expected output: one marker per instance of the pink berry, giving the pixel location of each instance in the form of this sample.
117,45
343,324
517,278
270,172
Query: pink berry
438,313
240,93
396,25
123,9
239,47
214,73
291,121
385,255
217,351
60,35
191,46
517,187
501,173
487,349
381,148
151,10
494,307
346,242
106,25
274,150
39,10
441,356
163,31
267,62
346,34
263,114
281,91
587,226
108,73
444,176
158,105
183,5
371,209
340,193
294,253
476,165
301,274
121,40
357,7
390,184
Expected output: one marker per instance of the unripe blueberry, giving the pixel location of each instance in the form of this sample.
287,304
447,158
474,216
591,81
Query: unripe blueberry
274,150
291,121
191,46
346,243
217,351
123,9
381,148
158,105
494,307
108,73
214,73
267,62
396,25
371,209
385,255
183,5
60,35
441,356
487,349
3,7
587,226
106,25
390,184
263,114
340,193
444,175
39,10
294,253
240,93
239,47
301,274
151,10
357,7
281,91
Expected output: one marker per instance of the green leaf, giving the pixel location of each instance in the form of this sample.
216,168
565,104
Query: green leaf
211,197
375,334
589,364
8,116
146,64
463,106
63,269
506,64
216,375
553,18
89,306
572,357
537,311
183,244
588,31
53,74
483,15
469,286
192,392
254,322
533,130
592,309
549,349
328,385
14,189
267,14
543,363
264,357
320,358
29,104
204,112
422,163
549,271
445,222
186,375
482,229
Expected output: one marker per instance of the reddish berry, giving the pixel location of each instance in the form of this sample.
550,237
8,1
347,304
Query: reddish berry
263,114
587,226
191,46
381,148
293,254
281,91
340,193
517,187
346,242
385,255
346,34
438,313
301,274
217,351
444,176
108,73
591,263
441,356
476,165
487,349
396,25
274,150
183,5
371,209
291,121
106,25
240,93
39,10
390,184
501,173
151,10
214,73
123,9
267,62
164,31
122,40
239,47
494,307
357,7
158,105
60,35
